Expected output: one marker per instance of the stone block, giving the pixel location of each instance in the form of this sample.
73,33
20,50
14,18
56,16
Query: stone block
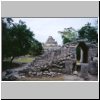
84,70
93,67
68,67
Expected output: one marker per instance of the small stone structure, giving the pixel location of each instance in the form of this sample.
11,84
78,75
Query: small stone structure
50,44
58,60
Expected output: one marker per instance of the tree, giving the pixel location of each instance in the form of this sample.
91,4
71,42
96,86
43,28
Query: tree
68,35
17,39
36,48
21,39
65,39
88,32
6,39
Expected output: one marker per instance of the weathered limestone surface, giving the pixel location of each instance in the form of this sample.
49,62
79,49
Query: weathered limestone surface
93,67
84,70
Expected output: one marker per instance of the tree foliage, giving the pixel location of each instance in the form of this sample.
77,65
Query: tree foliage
6,38
36,48
88,32
65,39
17,39
68,35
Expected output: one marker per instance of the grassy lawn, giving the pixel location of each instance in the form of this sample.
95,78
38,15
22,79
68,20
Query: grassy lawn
17,62
23,60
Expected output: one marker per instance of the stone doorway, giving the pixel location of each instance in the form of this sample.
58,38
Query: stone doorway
81,56
82,53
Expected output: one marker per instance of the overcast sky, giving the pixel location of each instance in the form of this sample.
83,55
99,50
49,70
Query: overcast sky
45,27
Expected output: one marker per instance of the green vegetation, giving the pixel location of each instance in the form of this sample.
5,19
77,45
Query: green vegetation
17,62
36,48
86,32
68,35
89,32
18,40
23,60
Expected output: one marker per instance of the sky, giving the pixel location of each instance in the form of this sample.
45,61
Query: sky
45,27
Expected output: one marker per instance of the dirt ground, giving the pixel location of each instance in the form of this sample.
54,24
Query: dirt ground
59,78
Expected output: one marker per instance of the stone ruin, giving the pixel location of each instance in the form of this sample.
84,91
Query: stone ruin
50,44
64,60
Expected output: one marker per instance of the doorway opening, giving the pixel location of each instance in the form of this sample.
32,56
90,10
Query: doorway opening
81,56
82,53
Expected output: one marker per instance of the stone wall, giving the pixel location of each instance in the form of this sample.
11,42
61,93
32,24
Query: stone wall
60,61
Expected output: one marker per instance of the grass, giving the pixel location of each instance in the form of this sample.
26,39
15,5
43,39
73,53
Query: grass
17,62
23,60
